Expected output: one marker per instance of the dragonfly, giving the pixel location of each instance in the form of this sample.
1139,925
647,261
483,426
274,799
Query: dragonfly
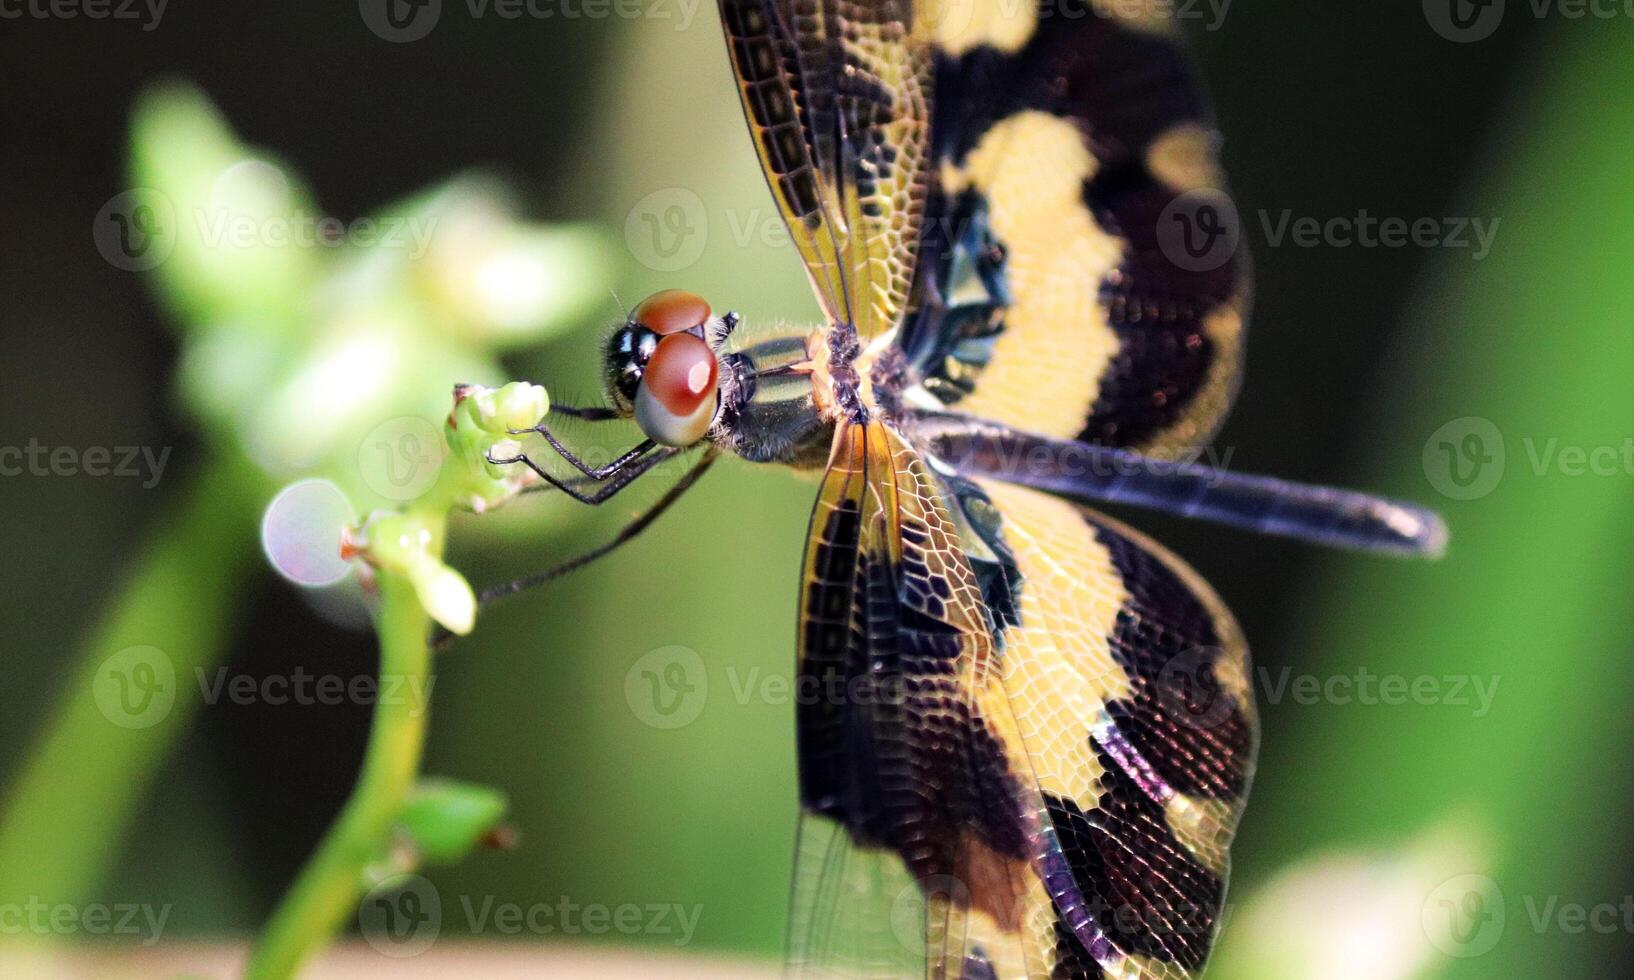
1036,730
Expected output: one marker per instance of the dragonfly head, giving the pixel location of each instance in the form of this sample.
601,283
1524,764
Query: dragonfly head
661,370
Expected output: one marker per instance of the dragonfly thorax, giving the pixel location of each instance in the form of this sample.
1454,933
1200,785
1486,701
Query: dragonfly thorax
852,382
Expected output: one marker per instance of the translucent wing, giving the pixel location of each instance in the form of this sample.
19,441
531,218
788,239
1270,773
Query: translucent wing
1079,274
1001,769
836,94
853,913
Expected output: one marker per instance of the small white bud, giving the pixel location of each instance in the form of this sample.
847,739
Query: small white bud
446,596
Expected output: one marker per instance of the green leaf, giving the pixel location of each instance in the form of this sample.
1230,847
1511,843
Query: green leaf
446,820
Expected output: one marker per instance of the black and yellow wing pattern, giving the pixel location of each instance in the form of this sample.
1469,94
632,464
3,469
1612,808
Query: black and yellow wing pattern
1079,274
1031,737
836,94
1016,187
1032,731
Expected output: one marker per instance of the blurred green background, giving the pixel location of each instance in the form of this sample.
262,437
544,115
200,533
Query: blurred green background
1360,359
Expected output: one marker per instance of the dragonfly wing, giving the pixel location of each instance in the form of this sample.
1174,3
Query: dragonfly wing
836,95
1129,686
899,768
993,743
1079,274
853,912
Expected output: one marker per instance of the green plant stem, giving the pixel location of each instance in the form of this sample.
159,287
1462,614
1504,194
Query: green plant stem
332,881
68,811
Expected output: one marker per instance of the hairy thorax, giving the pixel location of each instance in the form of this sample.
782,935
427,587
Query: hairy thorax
787,391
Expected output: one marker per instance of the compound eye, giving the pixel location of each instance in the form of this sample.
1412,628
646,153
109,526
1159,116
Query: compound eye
623,360
671,311
676,401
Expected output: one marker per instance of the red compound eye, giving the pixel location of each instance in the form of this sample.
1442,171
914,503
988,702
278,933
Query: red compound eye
682,373
671,311
676,401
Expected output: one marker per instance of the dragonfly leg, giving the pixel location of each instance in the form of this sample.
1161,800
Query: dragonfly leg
629,531
594,414
594,472
608,480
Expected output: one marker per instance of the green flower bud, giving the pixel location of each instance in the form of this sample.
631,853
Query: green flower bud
403,544
520,405
446,595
